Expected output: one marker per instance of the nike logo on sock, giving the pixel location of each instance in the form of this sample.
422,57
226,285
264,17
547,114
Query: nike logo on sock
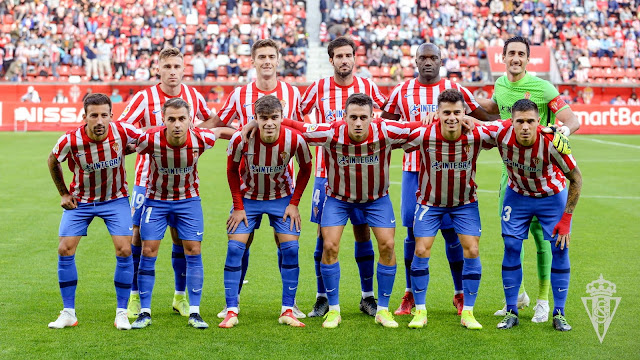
227,288
385,294
292,288
330,290
473,294
196,290
509,287
561,290
418,291
369,278
183,274
143,292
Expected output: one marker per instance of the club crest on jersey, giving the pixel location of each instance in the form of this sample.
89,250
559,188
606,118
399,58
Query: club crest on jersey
116,147
536,161
195,153
466,149
56,149
283,102
373,147
527,95
284,156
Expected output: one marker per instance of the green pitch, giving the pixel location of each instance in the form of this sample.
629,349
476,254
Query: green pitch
604,241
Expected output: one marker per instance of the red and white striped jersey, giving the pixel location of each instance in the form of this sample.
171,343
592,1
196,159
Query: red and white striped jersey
172,170
537,170
145,111
120,54
413,101
328,100
239,104
98,167
448,168
357,172
265,173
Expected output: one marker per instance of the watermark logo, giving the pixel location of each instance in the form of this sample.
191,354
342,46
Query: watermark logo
601,306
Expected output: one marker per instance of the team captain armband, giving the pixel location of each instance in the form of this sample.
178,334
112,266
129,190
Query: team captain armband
556,104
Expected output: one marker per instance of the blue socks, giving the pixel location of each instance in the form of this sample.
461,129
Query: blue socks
471,274
136,251
453,249
331,278
386,275
245,266
232,271
195,278
122,279
279,251
289,271
68,280
511,272
419,279
364,258
146,280
409,250
317,257
560,274
179,267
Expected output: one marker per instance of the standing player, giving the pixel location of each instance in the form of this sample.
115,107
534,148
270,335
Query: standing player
239,107
536,188
515,85
358,156
414,100
172,198
264,185
328,98
145,111
95,153
446,186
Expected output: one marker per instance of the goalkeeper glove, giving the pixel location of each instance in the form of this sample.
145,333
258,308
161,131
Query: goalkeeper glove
560,140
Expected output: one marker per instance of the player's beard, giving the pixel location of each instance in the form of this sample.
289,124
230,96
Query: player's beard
344,74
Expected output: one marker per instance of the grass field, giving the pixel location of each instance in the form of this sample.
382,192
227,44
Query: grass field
604,241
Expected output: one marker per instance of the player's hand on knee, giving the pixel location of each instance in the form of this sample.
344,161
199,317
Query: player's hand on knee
563,229
249,130
292,212
429,119
563,241
68,202
236,217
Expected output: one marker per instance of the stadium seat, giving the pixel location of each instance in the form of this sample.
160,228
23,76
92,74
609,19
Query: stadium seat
187,59
246,9
210,79
608,73
473,61
375,71
188,49
77,70
605,62
385,72
361,51
594,61
222,71
407,72
619,73
636,62
7,19
406,50
191,29
188,70
63,70
361,61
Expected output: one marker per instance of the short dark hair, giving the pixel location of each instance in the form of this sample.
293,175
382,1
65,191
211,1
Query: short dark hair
450,96
340,42
516,39
267,104
263,43
176,103
524,105
360,100
96,99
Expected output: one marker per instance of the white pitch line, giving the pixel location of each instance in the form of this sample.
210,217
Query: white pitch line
607,142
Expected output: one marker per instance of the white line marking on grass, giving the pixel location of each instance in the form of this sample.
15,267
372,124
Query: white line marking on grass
608,142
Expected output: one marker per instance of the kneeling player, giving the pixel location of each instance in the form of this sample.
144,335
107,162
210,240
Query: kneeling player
447,187
264,185
95,152
536,187
173,200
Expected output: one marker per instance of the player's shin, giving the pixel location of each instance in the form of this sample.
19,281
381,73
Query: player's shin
560,275
420,280
409,250
232,272
471,275
136,251
455,257
289,272
68,280
245,266
365,258
385,276
317,257
511,272
195,281
122,280
146,280
179,267
331,278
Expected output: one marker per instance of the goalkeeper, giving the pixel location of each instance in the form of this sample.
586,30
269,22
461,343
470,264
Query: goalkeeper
554,112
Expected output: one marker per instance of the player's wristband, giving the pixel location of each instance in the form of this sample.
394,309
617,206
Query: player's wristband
564,225
565,130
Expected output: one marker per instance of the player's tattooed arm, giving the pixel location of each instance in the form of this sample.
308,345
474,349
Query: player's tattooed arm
489,106
482,114
575,186
567,119
67,201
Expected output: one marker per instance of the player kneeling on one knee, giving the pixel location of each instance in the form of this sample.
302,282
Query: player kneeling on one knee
264,185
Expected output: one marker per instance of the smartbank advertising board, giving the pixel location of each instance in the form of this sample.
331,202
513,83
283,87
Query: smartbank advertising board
539,60
18,116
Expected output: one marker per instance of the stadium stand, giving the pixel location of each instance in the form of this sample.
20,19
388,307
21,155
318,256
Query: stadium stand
587,37
109,40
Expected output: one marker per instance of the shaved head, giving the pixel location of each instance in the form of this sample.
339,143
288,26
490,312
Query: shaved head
428,46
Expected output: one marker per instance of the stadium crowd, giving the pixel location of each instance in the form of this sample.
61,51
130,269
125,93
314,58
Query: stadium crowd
121,39
591,39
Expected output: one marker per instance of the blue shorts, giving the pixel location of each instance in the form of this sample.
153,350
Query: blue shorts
274,208
317,204
137,200
428,219
408,201
183,215
378,213
518,210
115,213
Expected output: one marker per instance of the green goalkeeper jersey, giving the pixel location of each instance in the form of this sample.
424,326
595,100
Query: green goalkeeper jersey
541,92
